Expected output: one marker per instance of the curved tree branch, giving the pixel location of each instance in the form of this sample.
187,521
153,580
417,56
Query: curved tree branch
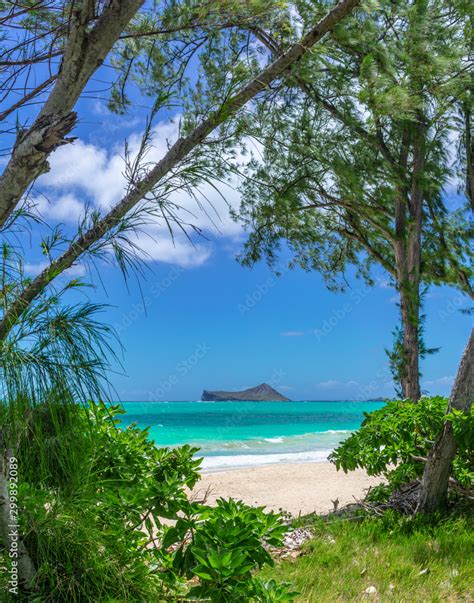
176,154
84,52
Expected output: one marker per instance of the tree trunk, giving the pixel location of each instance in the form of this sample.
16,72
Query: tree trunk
469,144
85,50
410,310
434,483
408,226
408,277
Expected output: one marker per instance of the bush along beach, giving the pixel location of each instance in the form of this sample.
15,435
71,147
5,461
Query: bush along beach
105,516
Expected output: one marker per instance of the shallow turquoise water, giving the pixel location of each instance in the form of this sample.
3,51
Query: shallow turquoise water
247,433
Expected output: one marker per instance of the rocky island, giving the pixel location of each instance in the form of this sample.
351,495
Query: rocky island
259,393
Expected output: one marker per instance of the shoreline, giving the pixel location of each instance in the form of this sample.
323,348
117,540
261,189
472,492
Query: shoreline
297,488
234,462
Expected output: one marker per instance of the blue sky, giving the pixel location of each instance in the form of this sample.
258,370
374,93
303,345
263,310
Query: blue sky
223,326
200,320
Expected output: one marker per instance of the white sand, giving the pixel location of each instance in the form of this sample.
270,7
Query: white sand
295,488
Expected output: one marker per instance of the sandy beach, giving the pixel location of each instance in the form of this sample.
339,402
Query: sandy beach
295,488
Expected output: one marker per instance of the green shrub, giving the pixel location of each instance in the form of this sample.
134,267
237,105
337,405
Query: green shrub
227,546
95,517
390,439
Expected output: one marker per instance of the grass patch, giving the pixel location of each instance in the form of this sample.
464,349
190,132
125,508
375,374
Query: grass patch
409,559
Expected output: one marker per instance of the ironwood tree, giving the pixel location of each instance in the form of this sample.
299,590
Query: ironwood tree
357,150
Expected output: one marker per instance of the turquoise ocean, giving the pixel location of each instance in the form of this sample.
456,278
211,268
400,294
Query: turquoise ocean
242,434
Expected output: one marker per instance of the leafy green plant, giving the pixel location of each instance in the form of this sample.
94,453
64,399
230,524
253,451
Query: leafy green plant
393,441
228,545
104,533
463,464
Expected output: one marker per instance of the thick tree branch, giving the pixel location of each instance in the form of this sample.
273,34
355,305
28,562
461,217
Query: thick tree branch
84,52
176,154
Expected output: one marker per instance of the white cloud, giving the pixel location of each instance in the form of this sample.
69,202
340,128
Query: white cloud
88,172
447,380
333,384
161,248
65,208
32,269
330,384
88,169
452,184
76,270
292,334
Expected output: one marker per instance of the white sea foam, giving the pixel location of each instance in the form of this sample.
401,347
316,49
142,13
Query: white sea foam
321,441
220,463
309,434
315,434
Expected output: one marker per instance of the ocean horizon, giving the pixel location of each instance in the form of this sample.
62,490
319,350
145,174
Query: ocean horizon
246,433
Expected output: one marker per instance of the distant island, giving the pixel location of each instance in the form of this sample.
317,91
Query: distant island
259,393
